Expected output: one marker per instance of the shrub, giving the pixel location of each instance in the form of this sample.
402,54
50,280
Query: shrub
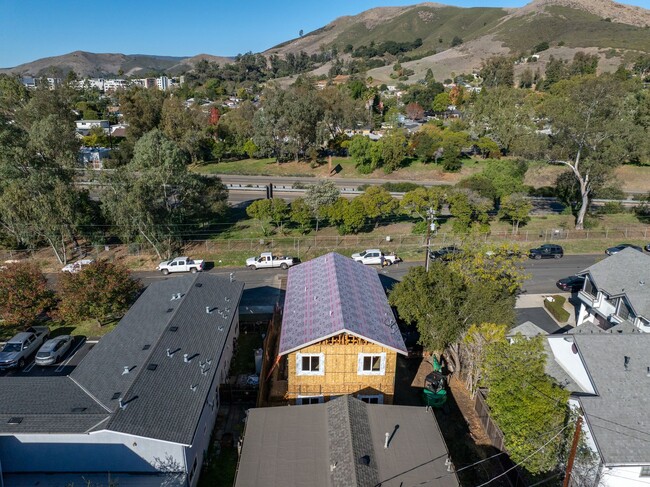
24,295
419,228
610,208
556,308
403,187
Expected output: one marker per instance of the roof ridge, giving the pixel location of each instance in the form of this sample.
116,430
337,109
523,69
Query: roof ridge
88,393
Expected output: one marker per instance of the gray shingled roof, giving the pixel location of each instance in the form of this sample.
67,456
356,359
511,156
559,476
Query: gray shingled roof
160,402
617,416
47,405
623,274
333,294
322,445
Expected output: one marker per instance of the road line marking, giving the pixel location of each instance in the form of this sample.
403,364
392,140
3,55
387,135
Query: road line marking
29,367
74,351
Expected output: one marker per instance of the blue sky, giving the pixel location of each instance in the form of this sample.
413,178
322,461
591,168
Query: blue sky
32,29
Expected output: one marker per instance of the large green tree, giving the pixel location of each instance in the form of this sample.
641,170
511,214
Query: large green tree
24,295
591,119
443,305
527,405
319,196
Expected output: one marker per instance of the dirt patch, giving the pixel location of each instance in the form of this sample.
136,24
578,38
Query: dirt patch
466,405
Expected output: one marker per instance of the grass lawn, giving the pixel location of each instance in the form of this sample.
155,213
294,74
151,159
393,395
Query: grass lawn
88,329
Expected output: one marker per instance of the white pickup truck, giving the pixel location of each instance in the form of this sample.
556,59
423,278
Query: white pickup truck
180,264
22,346
267,261
375,256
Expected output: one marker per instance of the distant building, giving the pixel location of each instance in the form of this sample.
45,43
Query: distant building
93,157
28,82
111,85
162,83
84,126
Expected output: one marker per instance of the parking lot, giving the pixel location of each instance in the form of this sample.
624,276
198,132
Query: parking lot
78,350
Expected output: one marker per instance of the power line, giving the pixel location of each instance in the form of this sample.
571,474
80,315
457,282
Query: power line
525,459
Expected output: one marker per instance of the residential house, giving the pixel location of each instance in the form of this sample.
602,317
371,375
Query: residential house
345,442
609,376
141,404
84,126
616,292
338,335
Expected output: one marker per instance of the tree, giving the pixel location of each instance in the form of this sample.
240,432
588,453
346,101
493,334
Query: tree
443,305
525,402
319,196
365,153
377,203
348,216
154,197
98,291
300,214
456,41
414,111
421,201
441,102
584,138
583,64
24,295
488,148
187,126
498,71
515,208
470,211
473,349
261,211
393,150
142,109
507,176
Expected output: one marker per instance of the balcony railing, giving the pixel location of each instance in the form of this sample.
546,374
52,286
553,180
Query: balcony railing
587,298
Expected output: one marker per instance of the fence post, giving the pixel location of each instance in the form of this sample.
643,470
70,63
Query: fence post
625,232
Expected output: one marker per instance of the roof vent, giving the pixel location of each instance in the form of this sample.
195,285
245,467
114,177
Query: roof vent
641,283
176,296
78,410
186,357
220,328
169,310
626,363
232,276
122,403
208,310
364,460
146,347
173,328
116,396
152,367
227,299
126,370
198,284
15,420
648,372
193,387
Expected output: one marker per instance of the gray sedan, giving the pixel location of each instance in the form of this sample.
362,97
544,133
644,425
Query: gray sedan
53,350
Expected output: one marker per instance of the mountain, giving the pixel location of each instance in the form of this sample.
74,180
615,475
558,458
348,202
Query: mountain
97,65
615,32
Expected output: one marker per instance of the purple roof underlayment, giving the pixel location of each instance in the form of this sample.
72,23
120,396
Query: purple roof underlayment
333,294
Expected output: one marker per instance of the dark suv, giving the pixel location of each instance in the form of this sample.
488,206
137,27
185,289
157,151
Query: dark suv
546,251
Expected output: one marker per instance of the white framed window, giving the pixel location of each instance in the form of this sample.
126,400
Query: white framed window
301,400
310,364
372,398
371,364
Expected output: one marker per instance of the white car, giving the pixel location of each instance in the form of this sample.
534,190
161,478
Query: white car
75,267
53,350
267,261
375,257
180,264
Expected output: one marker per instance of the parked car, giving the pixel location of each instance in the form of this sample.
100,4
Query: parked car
180,264
618,248
22,346
546,251
572,283
268,261
647,248
75,267
375,257
444,253
53,350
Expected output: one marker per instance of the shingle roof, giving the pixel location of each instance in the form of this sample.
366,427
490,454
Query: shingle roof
160,403
342,443
47,405
333,294
626,272
617,416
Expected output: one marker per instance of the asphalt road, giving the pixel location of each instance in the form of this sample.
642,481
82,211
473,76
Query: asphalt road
262,287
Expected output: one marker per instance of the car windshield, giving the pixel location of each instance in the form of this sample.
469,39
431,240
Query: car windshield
12,347
363,253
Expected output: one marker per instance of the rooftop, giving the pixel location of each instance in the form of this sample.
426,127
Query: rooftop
342,443
616,416
159,363
625,273
331,295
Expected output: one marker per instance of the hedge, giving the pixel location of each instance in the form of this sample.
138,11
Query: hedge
556,308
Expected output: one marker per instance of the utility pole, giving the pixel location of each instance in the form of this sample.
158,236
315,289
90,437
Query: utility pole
572,455
430,218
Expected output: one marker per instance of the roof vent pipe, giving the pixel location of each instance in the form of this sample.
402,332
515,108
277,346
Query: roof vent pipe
232,276
208,310
122,403
626,363
386,440
126,370
169,352
186,358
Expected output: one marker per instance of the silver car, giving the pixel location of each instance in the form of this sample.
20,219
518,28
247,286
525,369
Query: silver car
53,350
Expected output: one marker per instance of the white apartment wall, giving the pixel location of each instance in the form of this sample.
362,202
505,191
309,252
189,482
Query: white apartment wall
201,440
570,362
103,451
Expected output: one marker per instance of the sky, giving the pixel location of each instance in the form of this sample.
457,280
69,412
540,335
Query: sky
33,29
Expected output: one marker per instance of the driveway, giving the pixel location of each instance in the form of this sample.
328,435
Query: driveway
540,317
